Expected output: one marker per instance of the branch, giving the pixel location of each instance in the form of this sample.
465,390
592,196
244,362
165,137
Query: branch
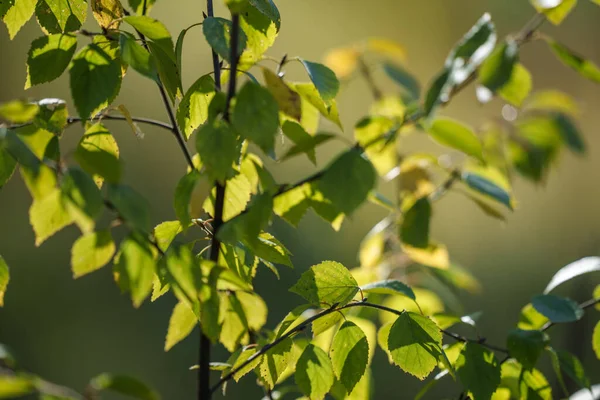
148,121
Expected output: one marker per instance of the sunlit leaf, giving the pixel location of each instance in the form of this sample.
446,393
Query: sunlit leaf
137,57
218,148
182,322
18,13
48,57
314,373
48,215
309,93
349,355
288,100
155,31
479,370
124,385
557,309
414,230
193,108
497,70
456,135
596,340
326,283
18,111
14,386
554,101
138,5
531,319
61,16
573,270
217,32
373,134
275,361
98,154
516,90
183,196
167,71
246,227
135,267
555,10
107,13
324,80
91,252
82,198
570,365
343,61
584,67
526,346
389,286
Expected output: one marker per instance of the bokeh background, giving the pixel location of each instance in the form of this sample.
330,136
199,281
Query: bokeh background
68,331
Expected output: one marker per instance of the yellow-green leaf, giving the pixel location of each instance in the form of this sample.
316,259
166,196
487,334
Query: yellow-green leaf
48,215
4,279
326,283
182,322
91,252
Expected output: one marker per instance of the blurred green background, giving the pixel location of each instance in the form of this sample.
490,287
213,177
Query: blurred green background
68,331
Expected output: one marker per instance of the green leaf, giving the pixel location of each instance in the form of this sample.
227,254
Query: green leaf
91,252
557,309
517,89
61,16
138,5
182,322
555,11
165,233
595,338
478,370
314,373
193,108
268,9
522,384
52,116
571,365
347,181
48,57
107,13
415,344
573,270
217,146
134,55
18,13
183,273
288,100
135,267
487,187
326,283
260,32
4,279
526,346
438,92
456,135
246,227
404,79
256,116
98,154
554,101
183,196
324,80
237,196
18,111
531,319
268,248
131,205
82,198
275,362
14,386
167,71
497,70
389,286
325,323
414,230
310,95
584,67
95,79
304,142
7,165
155,31
245,354
373,134
293,204
124,385
217,32
48,216
349,355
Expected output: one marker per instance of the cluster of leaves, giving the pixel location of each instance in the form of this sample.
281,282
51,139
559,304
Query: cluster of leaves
231,185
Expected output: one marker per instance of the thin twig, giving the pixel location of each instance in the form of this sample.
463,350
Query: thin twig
73,120
366,73
583,306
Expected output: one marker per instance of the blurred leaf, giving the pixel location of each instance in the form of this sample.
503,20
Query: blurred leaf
414,229
487,187
497,70
155,31
457,277
288,100
193,108
167,71
14,386
485,206
389,286
135,267
7,165
310,94
342,61
183,273
523,384
61,16
48,57
91,252
124,385
415,344
247,226
552,100
347,181
137,57
182,322
217,32
386,48
4,279
584,67
434,255
573,270
52,116
349,355
456,135
275,361
324,80
18,111
526,346
438,92
268,248
82,198
570,364
256,116
555,10
479,370
314,373
373,134
183,196
516,90
531,319
218,148
596,340
107,13
268,9
131,205
557,309
138,5
293,204
326,283
305,143
48,216
98,154
403,78
95,79
17,14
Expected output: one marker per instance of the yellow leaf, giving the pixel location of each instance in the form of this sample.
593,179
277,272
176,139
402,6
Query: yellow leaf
182,322
436,255
342,61
387,48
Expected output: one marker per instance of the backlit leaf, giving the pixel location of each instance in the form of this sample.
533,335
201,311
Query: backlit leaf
217,32
183,196
98,154
155,31
246,227
268,9
557,309
218,148
18,111
314,373
275,361
456,135
52,116
137,57
124,385
167,71
131,206
91,252
309,93
497,70
4,279
584,67
61,16
415,344
555,10
48,57
326,283
414,230
324,80
479,370
571,365
260,31
135,267
288,100
293,204
516,90
17,15
14,386
138,5
573,270
7,166
526,346
48,216
389,286
595,340
193,108
531,319
82,198
373,134
182,322
349,355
